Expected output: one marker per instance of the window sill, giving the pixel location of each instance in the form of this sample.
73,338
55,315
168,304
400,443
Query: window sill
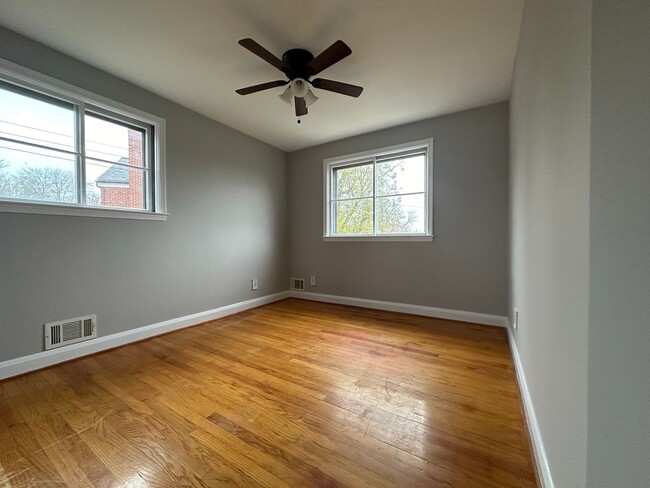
70,210
378,238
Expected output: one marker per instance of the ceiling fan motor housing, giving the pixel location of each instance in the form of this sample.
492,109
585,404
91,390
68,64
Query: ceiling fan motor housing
295,63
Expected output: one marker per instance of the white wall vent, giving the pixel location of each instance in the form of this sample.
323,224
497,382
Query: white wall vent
70,331
297,284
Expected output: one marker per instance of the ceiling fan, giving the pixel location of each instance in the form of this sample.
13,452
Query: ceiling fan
300,66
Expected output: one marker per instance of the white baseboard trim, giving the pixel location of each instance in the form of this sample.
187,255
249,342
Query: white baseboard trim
539,452
440,313
40,360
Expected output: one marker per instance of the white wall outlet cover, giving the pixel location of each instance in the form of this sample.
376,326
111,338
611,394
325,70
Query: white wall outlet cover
312,281
515,318
254,284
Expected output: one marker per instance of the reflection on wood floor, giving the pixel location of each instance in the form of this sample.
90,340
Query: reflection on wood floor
293,394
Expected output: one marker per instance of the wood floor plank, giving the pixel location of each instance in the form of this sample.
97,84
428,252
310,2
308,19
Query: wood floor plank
292,394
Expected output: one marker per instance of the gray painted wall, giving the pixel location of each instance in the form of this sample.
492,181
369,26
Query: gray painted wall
227,196
619,328
549,224
464,267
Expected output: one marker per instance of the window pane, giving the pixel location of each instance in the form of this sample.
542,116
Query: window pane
115,185
405,175
353,216
31,173
400,214
114,142
37,120
353,181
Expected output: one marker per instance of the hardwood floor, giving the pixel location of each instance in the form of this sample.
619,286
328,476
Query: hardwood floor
293,394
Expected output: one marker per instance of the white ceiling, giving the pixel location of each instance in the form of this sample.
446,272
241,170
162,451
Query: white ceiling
415,58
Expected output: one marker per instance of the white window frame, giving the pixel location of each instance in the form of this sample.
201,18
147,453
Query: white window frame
82,99
330,164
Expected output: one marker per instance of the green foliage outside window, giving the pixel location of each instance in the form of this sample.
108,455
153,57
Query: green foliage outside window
354,186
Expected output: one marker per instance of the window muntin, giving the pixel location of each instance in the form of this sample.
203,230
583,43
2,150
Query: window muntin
61,146
384,194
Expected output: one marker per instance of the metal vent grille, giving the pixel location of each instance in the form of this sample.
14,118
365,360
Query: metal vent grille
88,327
70,331
297,284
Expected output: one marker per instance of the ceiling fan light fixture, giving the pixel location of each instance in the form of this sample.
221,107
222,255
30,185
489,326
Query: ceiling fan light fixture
286,96
310,97
299,87
291,92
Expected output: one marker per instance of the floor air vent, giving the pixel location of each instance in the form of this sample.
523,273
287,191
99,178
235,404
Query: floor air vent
70,331
297,284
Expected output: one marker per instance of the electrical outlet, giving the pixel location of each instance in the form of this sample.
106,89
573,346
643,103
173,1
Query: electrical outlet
254,284
312,280
515,315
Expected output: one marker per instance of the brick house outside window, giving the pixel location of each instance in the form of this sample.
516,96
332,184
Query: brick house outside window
121,186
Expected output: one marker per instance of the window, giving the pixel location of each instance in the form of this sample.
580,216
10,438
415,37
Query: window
67,151
380,195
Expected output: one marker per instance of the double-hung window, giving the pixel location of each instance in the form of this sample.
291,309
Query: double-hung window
67,151
382,195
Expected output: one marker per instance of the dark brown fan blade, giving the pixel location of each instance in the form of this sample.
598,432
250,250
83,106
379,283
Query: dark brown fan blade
301,106
337,87
258,50
263,86
333,54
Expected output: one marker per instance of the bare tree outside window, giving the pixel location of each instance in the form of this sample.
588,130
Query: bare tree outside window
42,184
6,183
46,184
92,195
